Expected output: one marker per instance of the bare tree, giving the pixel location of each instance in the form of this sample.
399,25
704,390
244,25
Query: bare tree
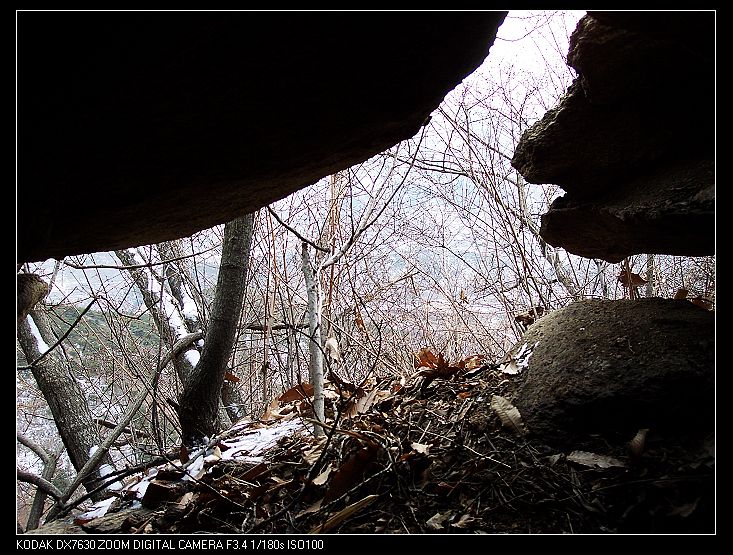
62,392
198,405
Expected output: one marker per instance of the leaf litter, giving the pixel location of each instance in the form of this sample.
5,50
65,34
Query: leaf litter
444,451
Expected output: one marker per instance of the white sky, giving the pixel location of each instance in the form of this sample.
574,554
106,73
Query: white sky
515,44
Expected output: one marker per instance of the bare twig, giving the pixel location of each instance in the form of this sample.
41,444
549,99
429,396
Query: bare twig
295,232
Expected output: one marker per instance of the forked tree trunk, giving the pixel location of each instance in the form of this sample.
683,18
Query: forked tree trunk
198,405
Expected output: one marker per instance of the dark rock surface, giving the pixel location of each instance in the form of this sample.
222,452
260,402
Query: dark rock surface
613,367
138,127
632,141
666,211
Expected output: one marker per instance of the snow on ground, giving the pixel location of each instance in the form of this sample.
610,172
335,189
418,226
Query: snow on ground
251,443
98,509
245,444
104,471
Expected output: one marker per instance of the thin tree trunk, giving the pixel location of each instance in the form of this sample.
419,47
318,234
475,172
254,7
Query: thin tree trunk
198,405
62,392
316,354
146,280
232,401
49,469
650,275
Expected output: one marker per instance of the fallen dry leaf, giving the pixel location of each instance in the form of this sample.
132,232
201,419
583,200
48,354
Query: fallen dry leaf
267,415
351,472
472,362
311,454
343,514
508,414
586,458
421,448
464,522
425,358
684,510
300,391
636,280
322,477
314,508
436,521
638,443
231,377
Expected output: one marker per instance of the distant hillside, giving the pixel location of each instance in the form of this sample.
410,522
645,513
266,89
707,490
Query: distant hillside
93,331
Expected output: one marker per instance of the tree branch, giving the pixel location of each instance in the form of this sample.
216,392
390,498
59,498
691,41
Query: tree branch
367,221
294,232
135,266
37,449
275,327
44,485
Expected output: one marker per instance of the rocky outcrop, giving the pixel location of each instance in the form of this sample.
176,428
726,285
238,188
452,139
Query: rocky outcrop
138,127
632,141
613,367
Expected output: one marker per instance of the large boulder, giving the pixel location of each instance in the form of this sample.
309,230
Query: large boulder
632,141
139,127
613,367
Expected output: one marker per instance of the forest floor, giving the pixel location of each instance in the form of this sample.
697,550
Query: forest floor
438,454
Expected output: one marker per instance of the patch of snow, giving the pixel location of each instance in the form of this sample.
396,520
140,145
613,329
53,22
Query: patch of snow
245,422
138,259
141,487
136,256
42,347
193,356
254,442
173,315
196,466
106,470
200,342
98,509
93,449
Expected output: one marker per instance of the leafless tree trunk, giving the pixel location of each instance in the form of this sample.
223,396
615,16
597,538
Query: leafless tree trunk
62,392
152,289
650,275
199,402
313,286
